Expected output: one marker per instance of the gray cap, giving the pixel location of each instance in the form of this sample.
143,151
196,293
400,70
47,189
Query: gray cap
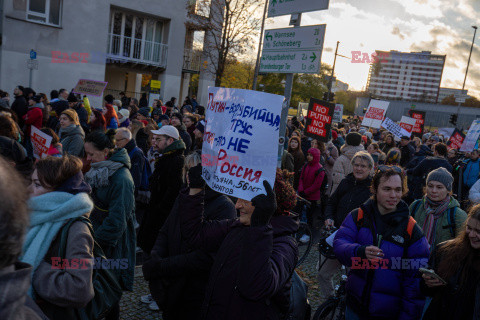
441,175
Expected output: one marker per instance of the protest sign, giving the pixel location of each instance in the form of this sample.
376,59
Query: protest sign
240,143
338,114
446,132
375,114
407,123
90,87
419,116
41,143
456,139
394,128
472,136
319,119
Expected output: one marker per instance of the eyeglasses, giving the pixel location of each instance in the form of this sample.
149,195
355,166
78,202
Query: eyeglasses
384,168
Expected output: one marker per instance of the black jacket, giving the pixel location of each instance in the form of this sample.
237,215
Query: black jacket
137,160
349,195
59,106
177,273
142,140
407,153
164,184
185,136
20,107
429,164
82,117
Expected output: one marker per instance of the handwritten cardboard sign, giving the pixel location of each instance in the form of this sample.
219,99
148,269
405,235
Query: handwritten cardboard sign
41,143
376,111
240,143
90,87
470,140
456,139
394,128
338,114
319,119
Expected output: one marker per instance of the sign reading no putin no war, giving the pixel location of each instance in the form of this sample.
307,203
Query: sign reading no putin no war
319,119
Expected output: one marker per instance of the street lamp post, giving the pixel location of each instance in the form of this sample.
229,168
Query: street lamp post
468,63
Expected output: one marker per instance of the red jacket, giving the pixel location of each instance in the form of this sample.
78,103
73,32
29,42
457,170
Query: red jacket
311,179
33,117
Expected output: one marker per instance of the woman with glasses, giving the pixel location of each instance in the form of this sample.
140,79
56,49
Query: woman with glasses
457,262
384,248
438,212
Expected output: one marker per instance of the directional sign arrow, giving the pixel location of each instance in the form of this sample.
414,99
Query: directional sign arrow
268,36
313,57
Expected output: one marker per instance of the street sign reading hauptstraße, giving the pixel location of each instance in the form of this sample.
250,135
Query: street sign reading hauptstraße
283,7
293,50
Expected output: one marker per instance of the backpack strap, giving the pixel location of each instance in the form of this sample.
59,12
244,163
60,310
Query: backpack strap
410,226
64,235
451,221
416,205
360,218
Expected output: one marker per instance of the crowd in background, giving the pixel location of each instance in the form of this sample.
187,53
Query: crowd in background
123,180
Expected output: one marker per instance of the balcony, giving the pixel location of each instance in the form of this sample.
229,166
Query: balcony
192,60
125,49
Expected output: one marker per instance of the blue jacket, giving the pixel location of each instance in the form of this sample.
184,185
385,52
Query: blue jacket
471,172
390,291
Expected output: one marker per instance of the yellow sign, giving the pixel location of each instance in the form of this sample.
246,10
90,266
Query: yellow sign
155,84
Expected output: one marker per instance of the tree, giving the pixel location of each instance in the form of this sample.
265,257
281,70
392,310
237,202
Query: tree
232,26
449,101
238,74
472,102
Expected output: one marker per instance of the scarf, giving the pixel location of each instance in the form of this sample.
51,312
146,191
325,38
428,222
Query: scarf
433,211
49,212
99,173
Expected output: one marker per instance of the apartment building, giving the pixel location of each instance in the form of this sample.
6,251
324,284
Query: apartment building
125,43
409,76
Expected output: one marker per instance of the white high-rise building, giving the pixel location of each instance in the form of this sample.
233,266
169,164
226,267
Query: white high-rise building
410,76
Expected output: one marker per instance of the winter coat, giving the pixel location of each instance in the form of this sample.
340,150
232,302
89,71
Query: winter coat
72,139
177,273
113,124
165,183
429,164
349,195
34,117
442,232
125,123
474,193
386,293
311,178
82,116
384,147
20,107
116,234
14,301
298,162
185,136
343,165
250,276
137,161
450,301
59,106
407,153
419,156
287,162
471,172
142,140
329,163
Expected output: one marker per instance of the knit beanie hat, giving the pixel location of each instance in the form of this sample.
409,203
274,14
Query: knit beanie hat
178,115
443,176
353,139
284,193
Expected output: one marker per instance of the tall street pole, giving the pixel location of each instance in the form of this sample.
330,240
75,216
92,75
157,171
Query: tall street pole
333,70
257,64
466,71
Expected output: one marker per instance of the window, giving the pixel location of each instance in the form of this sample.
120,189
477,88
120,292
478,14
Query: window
45,11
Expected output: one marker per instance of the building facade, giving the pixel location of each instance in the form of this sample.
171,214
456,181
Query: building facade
409,76
125,43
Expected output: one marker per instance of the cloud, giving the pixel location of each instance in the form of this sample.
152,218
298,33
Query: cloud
422,8
396,32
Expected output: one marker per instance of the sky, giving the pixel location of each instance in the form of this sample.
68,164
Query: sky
440,26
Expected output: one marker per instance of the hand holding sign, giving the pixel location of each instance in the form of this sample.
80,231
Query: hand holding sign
265,206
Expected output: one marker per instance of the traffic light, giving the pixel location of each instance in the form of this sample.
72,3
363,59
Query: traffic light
453,119
330,98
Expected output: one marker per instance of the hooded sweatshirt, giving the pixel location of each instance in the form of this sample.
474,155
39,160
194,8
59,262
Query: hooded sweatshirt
72,138
34,117
311,178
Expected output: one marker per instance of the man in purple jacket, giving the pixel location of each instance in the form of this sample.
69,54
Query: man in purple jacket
384,247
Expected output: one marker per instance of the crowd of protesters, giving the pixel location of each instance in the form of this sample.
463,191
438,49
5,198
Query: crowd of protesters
124,179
